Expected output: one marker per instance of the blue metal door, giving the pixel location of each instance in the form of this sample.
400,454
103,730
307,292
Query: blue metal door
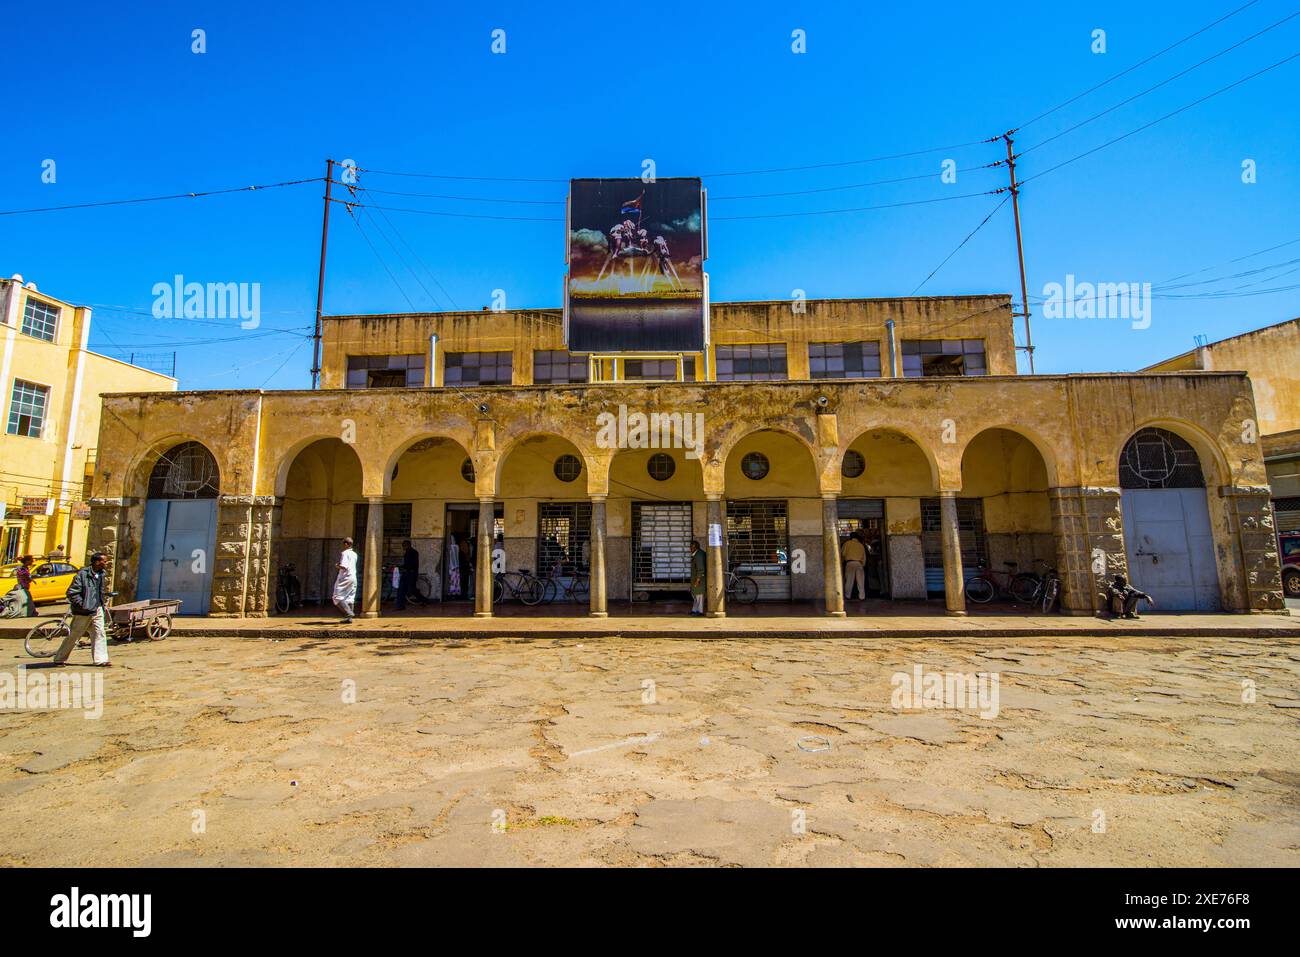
1170,547
177,552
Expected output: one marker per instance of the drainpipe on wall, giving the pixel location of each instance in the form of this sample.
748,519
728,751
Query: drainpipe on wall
433,359
893,349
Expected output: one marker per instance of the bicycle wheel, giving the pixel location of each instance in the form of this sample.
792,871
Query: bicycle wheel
282,599
531,591
745,590
980,590
498,591
581,588
549,590
1024,587
1051,592
422,587
44,640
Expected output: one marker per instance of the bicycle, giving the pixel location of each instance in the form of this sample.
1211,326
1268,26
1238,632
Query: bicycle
521,584
988,584
577,588
1047,590
741,588
288,590
420,590
45,638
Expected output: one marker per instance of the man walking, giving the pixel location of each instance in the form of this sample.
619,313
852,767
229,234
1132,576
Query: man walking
698,577
345,586
23,574
86,598
854,554
409,573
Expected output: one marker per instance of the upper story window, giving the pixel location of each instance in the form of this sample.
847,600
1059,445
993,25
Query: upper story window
558,367
751,362
844,360
27,407
658,370
385,372
40,319
943,357
478,368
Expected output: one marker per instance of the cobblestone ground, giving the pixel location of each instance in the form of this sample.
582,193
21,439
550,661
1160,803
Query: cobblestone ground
217,751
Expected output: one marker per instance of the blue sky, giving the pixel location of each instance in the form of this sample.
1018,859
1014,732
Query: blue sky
118,100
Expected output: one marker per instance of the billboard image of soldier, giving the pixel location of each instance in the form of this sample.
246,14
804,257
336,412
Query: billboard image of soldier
636,266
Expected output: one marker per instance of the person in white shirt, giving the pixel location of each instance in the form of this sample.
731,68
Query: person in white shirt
345,586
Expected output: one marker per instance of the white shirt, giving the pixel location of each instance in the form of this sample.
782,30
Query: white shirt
345,586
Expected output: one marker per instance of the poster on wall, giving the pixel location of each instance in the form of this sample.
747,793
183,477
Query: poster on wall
636,255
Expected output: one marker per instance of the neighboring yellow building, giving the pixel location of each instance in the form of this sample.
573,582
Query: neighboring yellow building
1271,357
478,437
50,407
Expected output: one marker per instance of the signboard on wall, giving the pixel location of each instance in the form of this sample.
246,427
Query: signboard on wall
38,506
80,510
636,254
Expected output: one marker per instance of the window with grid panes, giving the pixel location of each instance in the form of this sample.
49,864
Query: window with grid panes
558,366
658,370
385,372
477,368
40,319
563,537
844,360
758,539
943,357
27,405
750,362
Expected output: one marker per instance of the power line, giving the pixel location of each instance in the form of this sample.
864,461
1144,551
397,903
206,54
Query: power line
969,236
156,199
1147,126
402,259
1135,66
1163,82
353,216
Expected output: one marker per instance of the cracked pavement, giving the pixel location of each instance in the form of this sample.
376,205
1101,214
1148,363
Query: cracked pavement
624,751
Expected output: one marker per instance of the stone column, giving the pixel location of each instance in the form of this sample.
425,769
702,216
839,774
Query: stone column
715,575
259,571
598,607
230,564
954,587
831,570
369,605
1248,512
1088,526
483,569
109,532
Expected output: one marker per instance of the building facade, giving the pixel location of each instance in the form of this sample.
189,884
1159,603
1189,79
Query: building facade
50,385
479,438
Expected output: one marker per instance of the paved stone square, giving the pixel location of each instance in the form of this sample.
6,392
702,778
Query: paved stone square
631,751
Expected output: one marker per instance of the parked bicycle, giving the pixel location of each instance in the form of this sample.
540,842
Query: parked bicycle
988,584
522,585
288,590
574,586
1049,595
421,590
741,588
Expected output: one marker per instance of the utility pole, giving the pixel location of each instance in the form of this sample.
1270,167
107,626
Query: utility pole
320,282
1028,347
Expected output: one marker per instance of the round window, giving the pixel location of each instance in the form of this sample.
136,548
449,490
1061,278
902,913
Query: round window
467,471
568,468
754,466
661,467
854,464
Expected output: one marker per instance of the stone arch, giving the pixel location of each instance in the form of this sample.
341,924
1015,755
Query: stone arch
1214,464
409,444
931,463
1006,472
1035,440
142,467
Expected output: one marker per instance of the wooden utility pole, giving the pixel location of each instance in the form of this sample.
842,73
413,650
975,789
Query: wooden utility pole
1028,347
320,282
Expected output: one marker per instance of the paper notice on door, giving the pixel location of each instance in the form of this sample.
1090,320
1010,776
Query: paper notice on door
715,536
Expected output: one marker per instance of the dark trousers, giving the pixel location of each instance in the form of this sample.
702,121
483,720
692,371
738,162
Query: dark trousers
404,581
1120,605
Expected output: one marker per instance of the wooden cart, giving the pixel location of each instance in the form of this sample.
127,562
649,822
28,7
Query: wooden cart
153,617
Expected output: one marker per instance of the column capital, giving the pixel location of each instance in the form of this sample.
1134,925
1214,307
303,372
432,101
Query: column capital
949,493
713,496
598,498
376,499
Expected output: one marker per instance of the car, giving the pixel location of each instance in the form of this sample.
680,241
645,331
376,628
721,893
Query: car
1289,549
50,579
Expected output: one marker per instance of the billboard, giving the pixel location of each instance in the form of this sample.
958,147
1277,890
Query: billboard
636,255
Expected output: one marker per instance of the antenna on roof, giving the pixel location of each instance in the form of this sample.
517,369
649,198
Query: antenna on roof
1201,340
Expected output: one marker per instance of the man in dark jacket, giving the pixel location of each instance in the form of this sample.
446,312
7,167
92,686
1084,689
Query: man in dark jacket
408,574
87,599
1124,598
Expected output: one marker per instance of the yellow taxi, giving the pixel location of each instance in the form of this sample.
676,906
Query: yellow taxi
50,579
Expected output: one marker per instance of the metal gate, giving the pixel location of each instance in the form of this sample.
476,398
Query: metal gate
1170,547
177,552
758,544
974,548
661,547
563,537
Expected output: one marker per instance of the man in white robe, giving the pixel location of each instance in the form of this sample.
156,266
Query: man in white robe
345,586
